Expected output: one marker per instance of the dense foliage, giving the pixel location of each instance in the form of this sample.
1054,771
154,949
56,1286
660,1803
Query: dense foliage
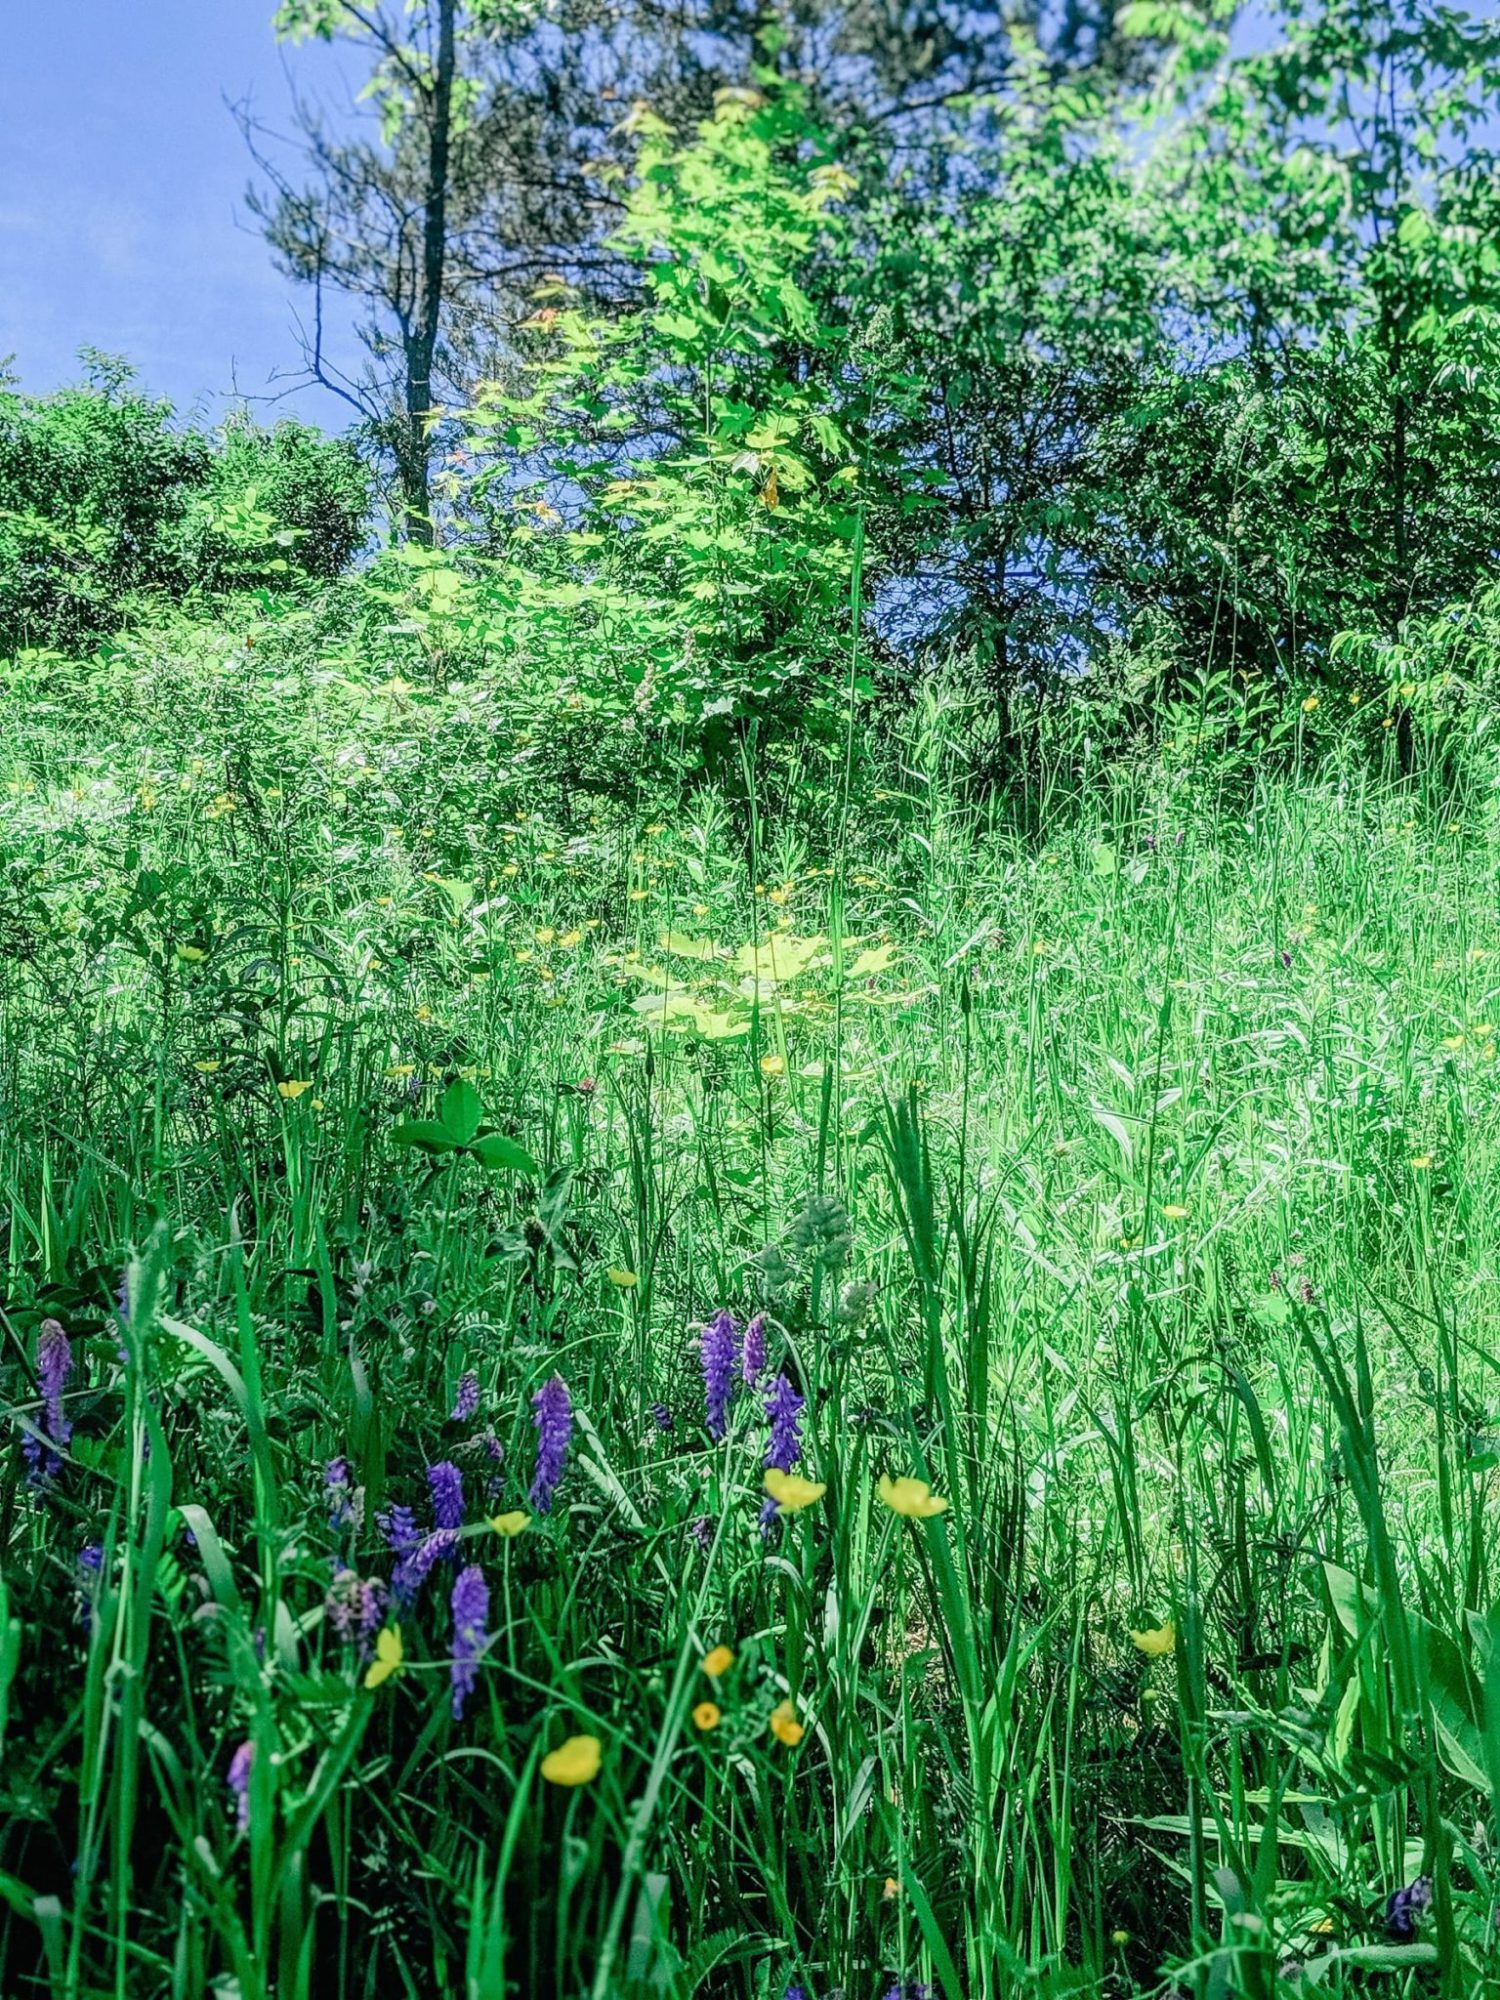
746,1163
104,499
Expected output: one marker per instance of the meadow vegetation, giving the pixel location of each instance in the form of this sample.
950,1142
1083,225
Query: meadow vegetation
709,1292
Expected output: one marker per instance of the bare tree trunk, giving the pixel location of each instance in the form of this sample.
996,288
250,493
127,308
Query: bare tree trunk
421,344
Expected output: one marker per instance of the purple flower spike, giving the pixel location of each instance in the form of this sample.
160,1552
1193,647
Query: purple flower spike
238,1780
753,1351
471,1611
661,1416
447,1485
342,1507
1406,1906
399,1526
717,1351
466,1402
411,1572
54,1364
355,1607
784,1412
701,1528
554,1433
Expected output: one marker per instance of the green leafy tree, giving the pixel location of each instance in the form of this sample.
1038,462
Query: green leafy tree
104,500
671,498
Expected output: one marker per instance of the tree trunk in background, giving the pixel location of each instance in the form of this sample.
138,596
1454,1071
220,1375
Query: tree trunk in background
421,340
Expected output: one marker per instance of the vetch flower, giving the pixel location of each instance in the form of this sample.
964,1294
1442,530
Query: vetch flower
575,1762
447,1487
1406,1907
345,1502
661,1416
784,1725
399,1526
717,1354
354,1607
789,1492
784,1409
54,1364
466,1401
912,1499
753,1351
471,1610
238,1780
412,1570
389,1653
554,1433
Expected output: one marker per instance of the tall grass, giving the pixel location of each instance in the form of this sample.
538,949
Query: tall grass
1120,1167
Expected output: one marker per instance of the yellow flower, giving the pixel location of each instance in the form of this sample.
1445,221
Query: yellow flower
772,1066
547,936
792,1492
1408,689
1039,949
191,954
1173,1213
575,1762
511,868
891,1890
1453,1041
1389,722
207,1068
389,1654
912,1499
398,1071
1422,1162
784,1725
708,1715
1310,704
294,1088
510,1525
718,1662
1119,1937
1157,1642
568,939
618,1275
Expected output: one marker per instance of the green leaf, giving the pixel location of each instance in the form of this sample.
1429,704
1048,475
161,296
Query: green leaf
497,1152
461,1111
426,1136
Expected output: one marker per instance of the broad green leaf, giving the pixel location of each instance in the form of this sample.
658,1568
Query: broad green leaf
497,1152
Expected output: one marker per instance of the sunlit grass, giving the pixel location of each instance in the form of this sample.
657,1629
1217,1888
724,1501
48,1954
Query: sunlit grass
1115,1182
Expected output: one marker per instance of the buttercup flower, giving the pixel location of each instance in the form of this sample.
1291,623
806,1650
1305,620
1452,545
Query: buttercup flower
389,1653
510,1525
790,1492
575,1762
784,1725
707,1715
718,1662
912,1499
1157,1642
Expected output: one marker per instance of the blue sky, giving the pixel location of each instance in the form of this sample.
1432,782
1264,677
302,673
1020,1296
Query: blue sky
122,176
